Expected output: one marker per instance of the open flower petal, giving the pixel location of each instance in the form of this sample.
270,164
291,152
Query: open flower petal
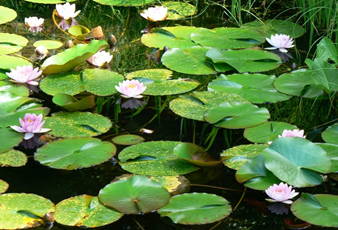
281,42
281,193
154,14
25,74
131,89
67,11
100,58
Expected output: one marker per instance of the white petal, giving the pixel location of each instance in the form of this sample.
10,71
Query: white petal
28,136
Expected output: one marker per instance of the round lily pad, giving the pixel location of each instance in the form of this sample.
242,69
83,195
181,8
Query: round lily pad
3,186
179,10
330,135
11,62
13,158
48,44
20,210
135,195
124,3
332,151
7,14
9,138
154,158
196,208
11,43
174,184
127,139
75,153
77,124
85,211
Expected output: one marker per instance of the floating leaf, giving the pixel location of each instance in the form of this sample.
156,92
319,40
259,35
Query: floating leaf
127,139
11,62
18,90
13,158
330,135
179,10
332,151
135,195
11,43
174,184
9,138
194,154
319,209
50,1
7,14
227,38
297,161
48,44
75,153
257,88
77,124
268,131
72,104
85,211
124,2
196,208
3,186
155,159
20,210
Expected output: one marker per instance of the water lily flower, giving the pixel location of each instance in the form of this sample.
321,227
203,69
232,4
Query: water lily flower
67,11
30,125
281,193
34,23
100,58
25,74
154,14
292,133
281,42
66,24
131,88
42,52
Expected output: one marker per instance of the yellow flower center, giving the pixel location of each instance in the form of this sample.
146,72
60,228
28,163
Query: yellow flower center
131,86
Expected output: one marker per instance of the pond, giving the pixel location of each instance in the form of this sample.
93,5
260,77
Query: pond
177,120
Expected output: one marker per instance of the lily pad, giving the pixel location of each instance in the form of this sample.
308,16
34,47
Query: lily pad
127,139
7,14
50,1
332,151
330,135
257,88
319,209
236,115
85,211
237,156
194,154
154,158
11,62
72,57
172,37
245,60
159,82
18,90
9,138
135,195
196,208
194,105
228,38
179,10
3,186
77,124
297,161
11,43
174,184
13,158
21,210
124,2
76,153
267,131
48,44
72,104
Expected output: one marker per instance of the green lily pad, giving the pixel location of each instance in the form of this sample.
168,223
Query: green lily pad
257,88
7,14
124,2
330,135
72,57
85,211
77,124
196,208
172,37
128,139
13,158
194,105
298,83
79,31
319,209
48,44
245,60
11,62
11,43
236,115
50,1
72,104
194,154
159,82
75,153
189,60
20,210
237,156
19,90
9,138
174,184
3,186
267,131
228,38
154,158
272,27
135,195
179,10
297,161
332,151
326,50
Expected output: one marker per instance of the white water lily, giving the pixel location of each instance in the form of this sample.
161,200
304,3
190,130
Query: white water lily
154,14
100,58
131,89
67,11
281,193
25,74
281,42
34,23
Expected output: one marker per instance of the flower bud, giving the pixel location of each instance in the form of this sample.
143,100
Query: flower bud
41,51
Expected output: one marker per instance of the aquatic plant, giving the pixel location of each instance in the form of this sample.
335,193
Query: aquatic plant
34,23
292,133
131,88
67,10
154,14
100,58
25,74
281,42
281,193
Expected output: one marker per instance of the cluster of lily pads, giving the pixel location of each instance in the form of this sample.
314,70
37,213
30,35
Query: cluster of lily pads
280,159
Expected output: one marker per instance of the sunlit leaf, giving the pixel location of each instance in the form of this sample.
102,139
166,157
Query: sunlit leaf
48,44
3,186
127,139
179,10
7,14
13,158
124,2
11,43
11,62
72,104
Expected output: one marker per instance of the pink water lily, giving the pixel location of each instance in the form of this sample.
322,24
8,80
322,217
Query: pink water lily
154,14
281,42
25,74
292,133
67,11
100,58
30,125
34,23
281,193
131,88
